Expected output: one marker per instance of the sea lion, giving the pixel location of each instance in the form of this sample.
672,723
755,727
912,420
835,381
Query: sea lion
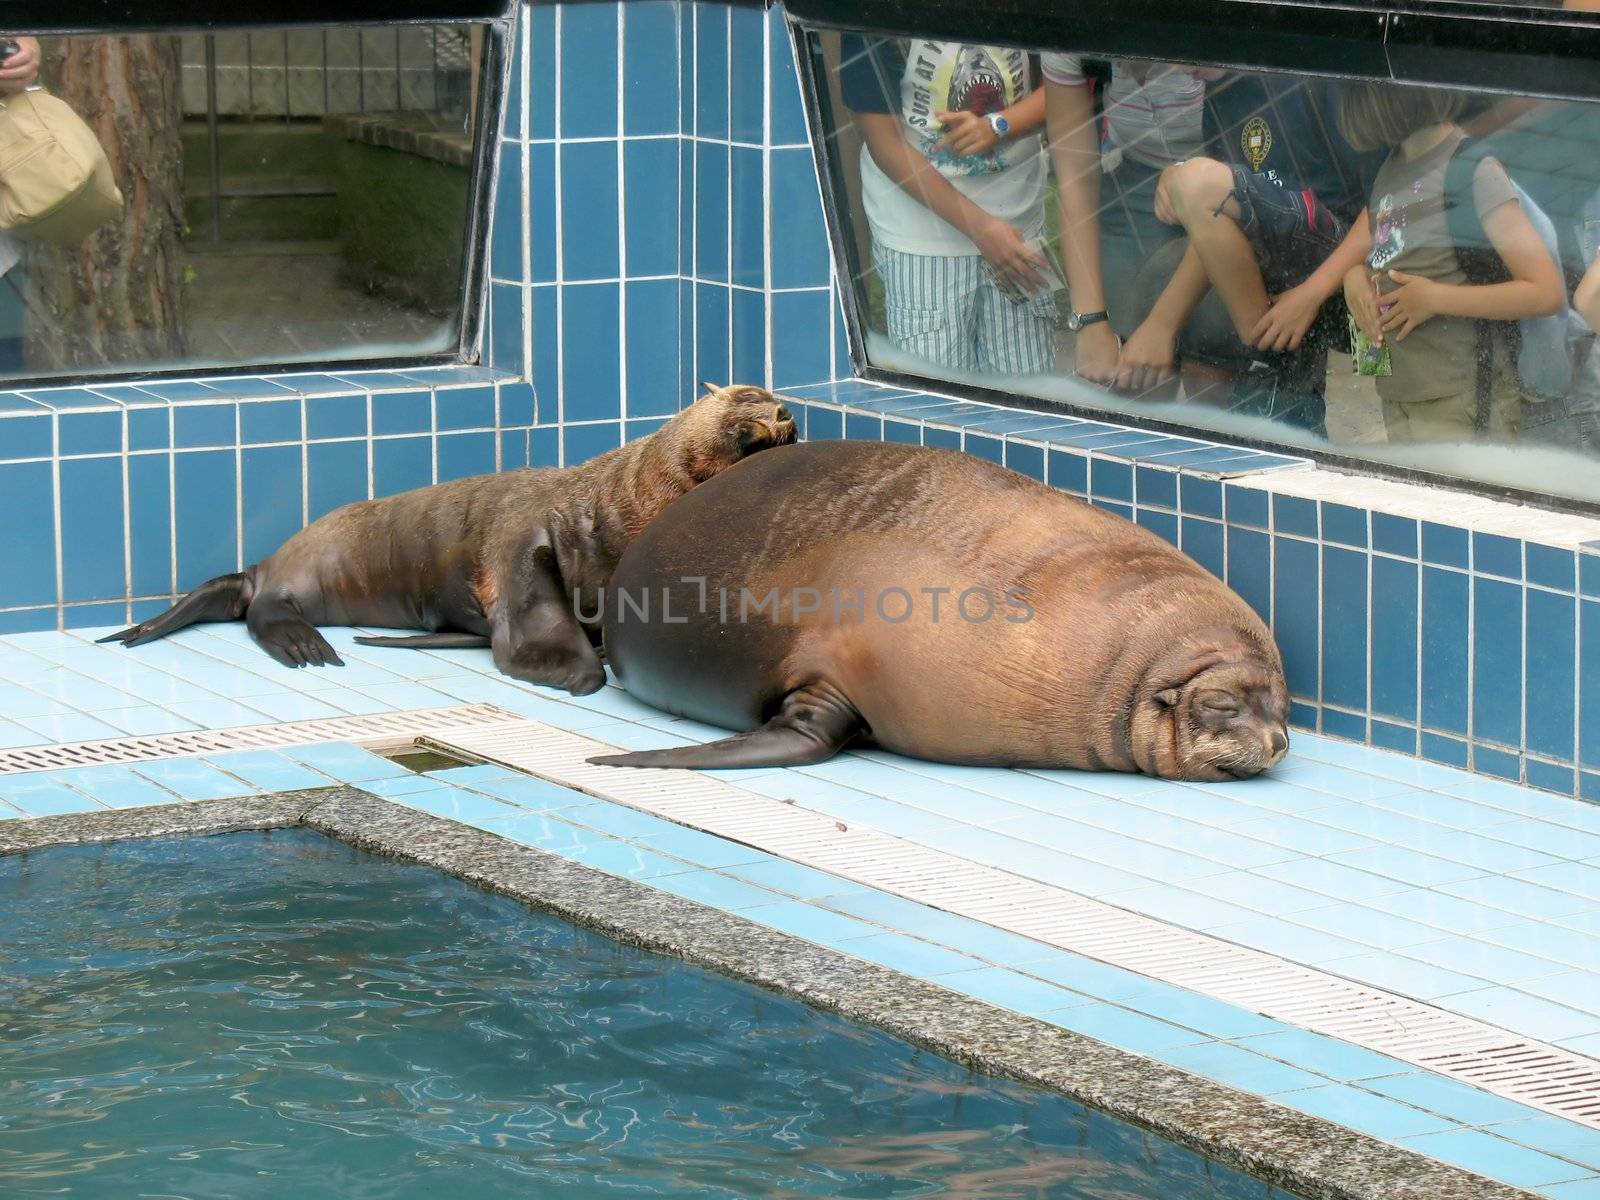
498,560
940,607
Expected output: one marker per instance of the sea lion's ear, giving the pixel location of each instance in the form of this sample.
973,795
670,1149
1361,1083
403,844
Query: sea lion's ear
1167,698
711,388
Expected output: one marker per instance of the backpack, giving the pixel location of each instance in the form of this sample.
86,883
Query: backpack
1541,347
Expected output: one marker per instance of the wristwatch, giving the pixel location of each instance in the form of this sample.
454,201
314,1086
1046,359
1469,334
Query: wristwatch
998,123
1077,320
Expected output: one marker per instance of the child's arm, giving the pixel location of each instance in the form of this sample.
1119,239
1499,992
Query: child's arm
1586,297
1283,326
1150,353
911,171
968,133
1534,289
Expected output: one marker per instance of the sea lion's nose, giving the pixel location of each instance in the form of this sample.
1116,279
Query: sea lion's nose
1280,743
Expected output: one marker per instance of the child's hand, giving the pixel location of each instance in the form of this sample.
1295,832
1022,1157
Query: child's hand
1361,297
1409,305
1283,326
1147,358
1018,267
965,133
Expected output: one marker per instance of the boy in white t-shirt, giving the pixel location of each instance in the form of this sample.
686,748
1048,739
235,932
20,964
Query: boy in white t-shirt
952,180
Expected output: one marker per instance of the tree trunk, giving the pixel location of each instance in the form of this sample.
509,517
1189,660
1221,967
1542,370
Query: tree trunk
116,298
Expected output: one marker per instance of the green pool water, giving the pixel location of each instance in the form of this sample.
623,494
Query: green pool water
268,1015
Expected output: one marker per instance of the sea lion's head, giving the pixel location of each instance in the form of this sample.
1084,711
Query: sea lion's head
730,423
1227,720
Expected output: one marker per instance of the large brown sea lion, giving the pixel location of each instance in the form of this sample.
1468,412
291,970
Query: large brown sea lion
941,607
496,560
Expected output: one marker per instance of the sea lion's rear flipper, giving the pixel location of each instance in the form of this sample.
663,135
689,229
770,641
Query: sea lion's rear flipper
429,641
280,629
220,599
813,725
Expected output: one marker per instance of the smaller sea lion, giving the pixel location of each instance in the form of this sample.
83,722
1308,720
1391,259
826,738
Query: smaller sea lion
497,560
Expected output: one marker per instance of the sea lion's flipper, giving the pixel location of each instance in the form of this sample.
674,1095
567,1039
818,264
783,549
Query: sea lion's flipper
221,599
429,641
813,725
280,629
537,637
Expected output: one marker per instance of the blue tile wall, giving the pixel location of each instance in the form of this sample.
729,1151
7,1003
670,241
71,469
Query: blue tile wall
651,233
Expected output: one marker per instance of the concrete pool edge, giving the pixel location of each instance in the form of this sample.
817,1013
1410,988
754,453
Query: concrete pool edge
1315,1158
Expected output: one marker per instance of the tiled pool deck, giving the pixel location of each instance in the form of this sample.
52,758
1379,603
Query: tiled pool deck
1476,896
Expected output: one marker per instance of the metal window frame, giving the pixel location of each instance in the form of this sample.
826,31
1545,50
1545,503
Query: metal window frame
493,87
1417,41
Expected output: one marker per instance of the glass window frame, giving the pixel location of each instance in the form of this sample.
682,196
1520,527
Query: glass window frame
1455,48
45,18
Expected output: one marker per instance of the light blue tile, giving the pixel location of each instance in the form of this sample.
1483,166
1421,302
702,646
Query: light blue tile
804,882
403,786
527,792
528,828
268,771
72,728
12,735
1496,1158
1332,879
1524,1014
458,805
1325,1055
1129,1031
346,763
193,779
1421,981
39,795
114,787
1555,1135
730,895
1013,990
293,706
1517,896
1555,840
1368,926
630,862
1558,943
1086,975
703,849
618,820
1457,1101
1473,957
910,955
806,920
1408,866
1216,1019
216,714
1583,1189
1228,1064
1361,1110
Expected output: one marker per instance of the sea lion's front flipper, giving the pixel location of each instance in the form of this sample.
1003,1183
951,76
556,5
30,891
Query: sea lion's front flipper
814,724
429,641
536,637
281,629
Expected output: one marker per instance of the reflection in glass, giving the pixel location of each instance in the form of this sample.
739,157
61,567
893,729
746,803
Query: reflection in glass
1400,273
287,195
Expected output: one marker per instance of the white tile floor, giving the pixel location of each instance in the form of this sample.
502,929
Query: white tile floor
1473,895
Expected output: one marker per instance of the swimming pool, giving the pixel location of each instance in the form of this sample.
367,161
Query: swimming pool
279,1014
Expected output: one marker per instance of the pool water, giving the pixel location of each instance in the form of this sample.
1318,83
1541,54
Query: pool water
279,1015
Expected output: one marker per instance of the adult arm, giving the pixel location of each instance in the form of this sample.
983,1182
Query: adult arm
1075,157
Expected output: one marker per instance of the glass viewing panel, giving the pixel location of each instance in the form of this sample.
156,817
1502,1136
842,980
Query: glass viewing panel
276,196
1401,274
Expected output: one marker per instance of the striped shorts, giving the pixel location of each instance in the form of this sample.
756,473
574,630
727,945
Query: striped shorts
949,310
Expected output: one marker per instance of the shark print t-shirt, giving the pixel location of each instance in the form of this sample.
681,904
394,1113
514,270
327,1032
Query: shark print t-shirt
916,79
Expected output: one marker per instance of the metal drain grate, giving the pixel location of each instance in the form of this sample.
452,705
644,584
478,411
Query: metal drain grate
377,726
1533,1073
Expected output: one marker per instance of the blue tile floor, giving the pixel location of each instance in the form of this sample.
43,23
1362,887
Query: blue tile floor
1470,894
